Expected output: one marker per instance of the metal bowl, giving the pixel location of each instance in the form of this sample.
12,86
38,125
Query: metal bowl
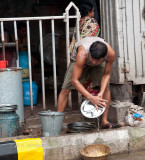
90,111
8,108
95,152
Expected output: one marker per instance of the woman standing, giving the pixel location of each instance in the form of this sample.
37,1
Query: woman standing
88,25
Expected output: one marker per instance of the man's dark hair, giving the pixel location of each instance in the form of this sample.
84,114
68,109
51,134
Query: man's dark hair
98,50
85,8
21,25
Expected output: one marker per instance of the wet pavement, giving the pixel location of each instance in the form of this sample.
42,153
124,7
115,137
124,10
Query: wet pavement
133,156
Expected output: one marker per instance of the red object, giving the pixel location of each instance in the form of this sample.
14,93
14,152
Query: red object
3,64
90,90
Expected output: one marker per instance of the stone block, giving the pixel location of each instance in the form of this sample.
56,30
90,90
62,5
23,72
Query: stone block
118,111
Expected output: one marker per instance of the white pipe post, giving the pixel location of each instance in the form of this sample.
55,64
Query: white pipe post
30,69
54,62
42,64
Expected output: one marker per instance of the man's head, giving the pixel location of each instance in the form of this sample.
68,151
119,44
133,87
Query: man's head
98,51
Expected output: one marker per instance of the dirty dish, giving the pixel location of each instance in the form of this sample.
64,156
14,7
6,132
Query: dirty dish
90,111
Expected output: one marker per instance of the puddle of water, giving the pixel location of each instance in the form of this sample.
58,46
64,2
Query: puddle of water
134,156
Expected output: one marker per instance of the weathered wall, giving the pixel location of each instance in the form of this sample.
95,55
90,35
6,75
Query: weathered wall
121,92
123,28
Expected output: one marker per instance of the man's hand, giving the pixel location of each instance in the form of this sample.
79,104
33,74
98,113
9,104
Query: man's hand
100,94
98,101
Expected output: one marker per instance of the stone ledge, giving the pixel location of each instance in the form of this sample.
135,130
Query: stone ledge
120,141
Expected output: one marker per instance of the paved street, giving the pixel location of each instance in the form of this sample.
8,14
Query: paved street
135,156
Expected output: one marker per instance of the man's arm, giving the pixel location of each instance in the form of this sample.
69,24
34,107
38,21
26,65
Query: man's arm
107,71
77,71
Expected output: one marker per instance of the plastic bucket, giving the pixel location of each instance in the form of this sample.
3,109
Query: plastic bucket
24,63
26,93
23,59
51,122
25,73
3,64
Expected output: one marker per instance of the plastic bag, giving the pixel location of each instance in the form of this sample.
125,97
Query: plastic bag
133,122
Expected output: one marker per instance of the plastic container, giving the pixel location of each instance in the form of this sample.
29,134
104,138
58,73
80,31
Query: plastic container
26,93
23,59
51,122
3,64
9,121
24,63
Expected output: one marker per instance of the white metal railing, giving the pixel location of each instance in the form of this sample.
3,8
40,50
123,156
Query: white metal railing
64,17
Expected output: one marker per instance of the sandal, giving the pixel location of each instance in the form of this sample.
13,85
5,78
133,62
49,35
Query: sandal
110,125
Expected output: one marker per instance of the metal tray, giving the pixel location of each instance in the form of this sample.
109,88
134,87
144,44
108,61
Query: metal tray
90,111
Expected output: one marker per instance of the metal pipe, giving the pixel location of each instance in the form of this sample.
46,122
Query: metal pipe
54,62
71,4
78,38
10,44
42,64
68,51
30,70
67,39
35,18
17,53
3,40
15,30
3,50
16,39
2,31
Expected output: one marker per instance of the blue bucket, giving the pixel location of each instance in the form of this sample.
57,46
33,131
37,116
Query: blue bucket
26,93
23,59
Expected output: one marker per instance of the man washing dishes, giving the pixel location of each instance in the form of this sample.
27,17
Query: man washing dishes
92,57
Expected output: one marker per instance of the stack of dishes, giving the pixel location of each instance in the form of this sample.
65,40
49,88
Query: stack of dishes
77,127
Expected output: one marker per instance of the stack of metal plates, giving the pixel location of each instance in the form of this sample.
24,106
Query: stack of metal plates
77,127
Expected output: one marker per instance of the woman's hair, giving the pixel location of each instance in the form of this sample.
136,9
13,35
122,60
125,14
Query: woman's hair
85,8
